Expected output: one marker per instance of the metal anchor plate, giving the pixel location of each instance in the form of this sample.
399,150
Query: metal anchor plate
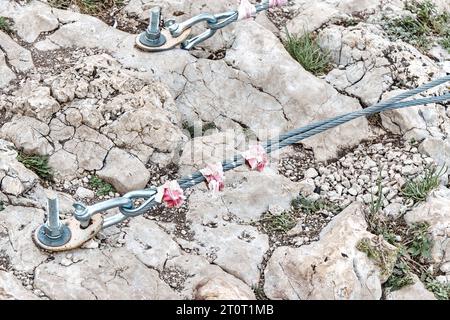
170,43
78,235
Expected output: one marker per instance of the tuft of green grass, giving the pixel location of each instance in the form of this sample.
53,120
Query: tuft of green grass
376,200
419,28
309,206
419,189
384,257
306,50
2,206
192,129
421,243
5,25
349,22
413,141
279,223
414,245
93,7
400,277
445,42
38,164
101,187
440,290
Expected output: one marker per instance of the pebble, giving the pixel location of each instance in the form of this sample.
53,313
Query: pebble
276,210
299,241
393,210
298,229
92,244
445,267
369,164
442,279
346,183
314,197
38,292
84,193
391,195
66,262
367,198
352,191
311,173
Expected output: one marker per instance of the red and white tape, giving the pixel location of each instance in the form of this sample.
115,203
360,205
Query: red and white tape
277,3
246,10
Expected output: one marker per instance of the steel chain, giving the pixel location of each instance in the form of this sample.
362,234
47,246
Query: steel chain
214,23
125,204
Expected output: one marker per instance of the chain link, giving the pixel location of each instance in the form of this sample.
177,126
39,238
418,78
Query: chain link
126,205
214,23
148,195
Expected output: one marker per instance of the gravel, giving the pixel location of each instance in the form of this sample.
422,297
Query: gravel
354,176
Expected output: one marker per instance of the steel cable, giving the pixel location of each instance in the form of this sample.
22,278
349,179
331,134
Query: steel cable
302,133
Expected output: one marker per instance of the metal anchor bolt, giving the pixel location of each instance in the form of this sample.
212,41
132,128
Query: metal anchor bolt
53,233
82,215
152,37
53,226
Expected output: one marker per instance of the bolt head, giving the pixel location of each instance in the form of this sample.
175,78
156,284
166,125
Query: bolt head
152,36
43,239
146,41
52,233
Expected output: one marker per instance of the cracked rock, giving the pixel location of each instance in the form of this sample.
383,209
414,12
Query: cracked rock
15,179
32,20
220,289
6,74
115,274
437,149
36,103
312,15
370,63
151,245
124,171
239,250
247,195
415,291
12,289
208,281
100,102
418,122
18,57
16,227
302,97
332,268
27,134
436,212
